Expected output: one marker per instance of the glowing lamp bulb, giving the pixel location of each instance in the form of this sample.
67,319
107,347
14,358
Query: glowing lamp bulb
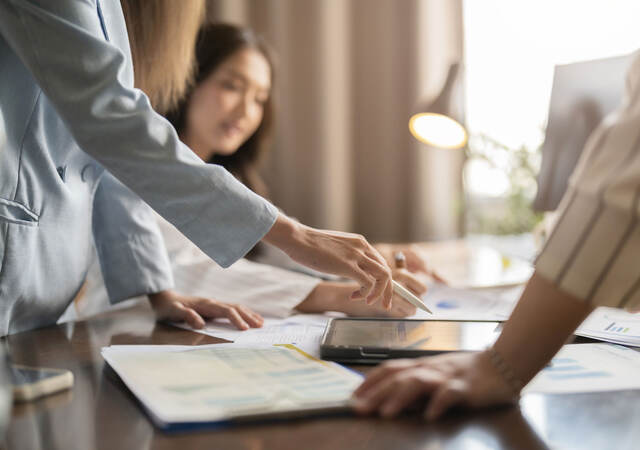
438,130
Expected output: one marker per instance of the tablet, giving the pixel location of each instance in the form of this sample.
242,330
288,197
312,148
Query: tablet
369,341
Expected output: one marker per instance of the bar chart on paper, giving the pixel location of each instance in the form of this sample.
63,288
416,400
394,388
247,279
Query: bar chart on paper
612,325
588,368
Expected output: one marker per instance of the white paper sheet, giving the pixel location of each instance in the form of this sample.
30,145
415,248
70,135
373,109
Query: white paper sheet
303,330
612,325
589,368
463,304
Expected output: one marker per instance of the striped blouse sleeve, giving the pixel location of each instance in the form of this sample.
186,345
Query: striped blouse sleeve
593,251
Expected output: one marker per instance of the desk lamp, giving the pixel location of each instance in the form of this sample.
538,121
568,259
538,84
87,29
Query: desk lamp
438,124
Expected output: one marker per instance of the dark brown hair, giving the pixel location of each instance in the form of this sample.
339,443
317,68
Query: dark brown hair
216,42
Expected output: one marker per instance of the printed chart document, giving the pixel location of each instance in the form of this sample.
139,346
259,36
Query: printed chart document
449,303
588,368
303,330
185,387
612,325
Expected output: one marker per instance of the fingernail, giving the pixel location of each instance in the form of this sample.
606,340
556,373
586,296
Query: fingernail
387,411
430,415
360,405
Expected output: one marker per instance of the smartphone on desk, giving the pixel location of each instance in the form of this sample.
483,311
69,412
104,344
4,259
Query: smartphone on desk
30,383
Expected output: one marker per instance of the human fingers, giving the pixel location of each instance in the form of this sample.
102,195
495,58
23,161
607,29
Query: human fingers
415,261
254,319
180,312
364,280
401,308
433,274
410,281
413,382
376,277
388,294
234,316
449,394
213,308
383,371
381,275
375,254
411,385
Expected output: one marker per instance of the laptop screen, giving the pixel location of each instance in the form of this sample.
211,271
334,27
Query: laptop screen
582,95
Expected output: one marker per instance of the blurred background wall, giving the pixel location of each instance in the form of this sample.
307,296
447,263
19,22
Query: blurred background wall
349,75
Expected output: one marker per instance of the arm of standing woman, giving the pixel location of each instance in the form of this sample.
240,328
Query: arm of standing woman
78,53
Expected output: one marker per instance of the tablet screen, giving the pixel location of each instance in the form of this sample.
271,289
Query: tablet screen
412,334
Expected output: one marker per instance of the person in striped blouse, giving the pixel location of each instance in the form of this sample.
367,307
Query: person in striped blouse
590,259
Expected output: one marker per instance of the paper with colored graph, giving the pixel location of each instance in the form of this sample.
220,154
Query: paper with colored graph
223,382
449,303
588,368
612,325
303,330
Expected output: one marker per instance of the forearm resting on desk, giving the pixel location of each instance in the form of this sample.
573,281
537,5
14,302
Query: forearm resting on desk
542,321
540,324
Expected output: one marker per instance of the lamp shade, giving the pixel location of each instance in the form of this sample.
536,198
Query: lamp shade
439,123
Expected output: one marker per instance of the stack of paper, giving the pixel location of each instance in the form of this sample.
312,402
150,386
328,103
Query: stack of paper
612,325
185,386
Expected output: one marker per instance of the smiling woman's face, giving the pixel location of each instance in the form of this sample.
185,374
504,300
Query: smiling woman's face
227,107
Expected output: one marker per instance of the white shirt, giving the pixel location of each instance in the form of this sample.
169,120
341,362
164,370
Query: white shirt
268,290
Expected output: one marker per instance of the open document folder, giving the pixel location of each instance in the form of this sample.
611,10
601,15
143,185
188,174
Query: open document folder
185,387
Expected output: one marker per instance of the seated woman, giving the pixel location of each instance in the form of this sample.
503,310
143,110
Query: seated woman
227,118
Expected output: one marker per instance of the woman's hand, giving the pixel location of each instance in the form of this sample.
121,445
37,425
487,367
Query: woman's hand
400,307
345,254
169,305
414,259
444,381
335,296
470,379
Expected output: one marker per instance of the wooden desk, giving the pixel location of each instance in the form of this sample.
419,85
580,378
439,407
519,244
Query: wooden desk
99,412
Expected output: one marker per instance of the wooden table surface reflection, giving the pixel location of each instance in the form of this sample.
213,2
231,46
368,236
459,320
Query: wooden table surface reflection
99,412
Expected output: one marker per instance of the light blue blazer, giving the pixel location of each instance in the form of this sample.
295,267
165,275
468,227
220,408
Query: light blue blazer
68,111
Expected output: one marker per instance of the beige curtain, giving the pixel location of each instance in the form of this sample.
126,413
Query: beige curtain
349,75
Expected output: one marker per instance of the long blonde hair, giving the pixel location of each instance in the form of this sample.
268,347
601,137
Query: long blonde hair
162,35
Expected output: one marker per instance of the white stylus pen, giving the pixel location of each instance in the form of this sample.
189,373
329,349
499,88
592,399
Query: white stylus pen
408,296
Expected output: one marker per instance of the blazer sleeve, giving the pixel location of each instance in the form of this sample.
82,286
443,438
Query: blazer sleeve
63,44
130,247
593,251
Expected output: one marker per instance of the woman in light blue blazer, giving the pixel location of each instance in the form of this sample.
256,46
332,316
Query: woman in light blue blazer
80,148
